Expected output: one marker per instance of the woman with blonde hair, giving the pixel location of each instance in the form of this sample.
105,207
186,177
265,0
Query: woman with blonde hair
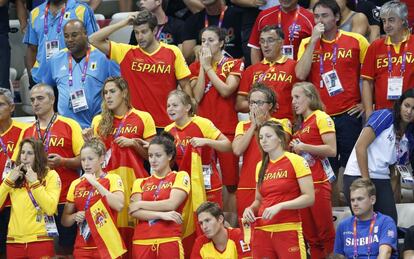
315,140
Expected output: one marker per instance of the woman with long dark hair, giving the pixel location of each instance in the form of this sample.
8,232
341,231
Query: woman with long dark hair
386,139
34,192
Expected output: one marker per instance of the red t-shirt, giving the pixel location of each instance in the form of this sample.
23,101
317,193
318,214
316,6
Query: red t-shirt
151,76
280,183
313,127
375,67
153,189
79,192
65,140
351,52
214,107
304,25
279,76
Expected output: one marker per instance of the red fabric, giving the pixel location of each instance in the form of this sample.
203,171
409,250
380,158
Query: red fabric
33,250
244,198
270,17
282,245
317,222
169,250
280,79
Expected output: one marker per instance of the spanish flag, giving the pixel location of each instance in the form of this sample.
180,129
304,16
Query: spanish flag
104,231
192,163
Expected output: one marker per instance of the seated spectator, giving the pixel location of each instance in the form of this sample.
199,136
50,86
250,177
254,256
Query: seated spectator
367,233
169,28
409,243
218,241
350,20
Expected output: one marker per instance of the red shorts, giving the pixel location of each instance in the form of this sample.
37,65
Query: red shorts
127,233
278,245
80,253
32,250
229,165
244,198
215,196
169,250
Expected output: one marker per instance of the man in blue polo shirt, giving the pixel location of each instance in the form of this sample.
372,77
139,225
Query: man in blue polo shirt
44,35
79,72
367,234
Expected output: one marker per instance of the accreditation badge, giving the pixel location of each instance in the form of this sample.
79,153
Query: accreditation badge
85,230
51,227
51,48
288,51
8,166
332,83
207,172
394,89
78,100
108,155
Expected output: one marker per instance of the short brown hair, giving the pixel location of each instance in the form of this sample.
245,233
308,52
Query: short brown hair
363,183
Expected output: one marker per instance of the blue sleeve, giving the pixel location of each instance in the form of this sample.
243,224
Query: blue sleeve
339,242
30,37
388,233
380,120
114,69
47,76
90,21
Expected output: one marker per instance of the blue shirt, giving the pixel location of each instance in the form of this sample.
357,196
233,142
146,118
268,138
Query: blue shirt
384,232
35,34
98,70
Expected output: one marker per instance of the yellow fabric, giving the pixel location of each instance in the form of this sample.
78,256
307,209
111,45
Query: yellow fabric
281,227
286,124
156,241
299,164
324,122
197,195
77,139
397,46
23,227
80,12
34,15
107,229
208,251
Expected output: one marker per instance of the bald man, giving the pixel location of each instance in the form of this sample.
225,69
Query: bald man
79,72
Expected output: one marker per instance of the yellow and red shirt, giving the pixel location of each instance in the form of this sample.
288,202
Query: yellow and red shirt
23,227
79,192
270,16
66,140
236,247
213,106
280,76
252,155
313,127
280,183
125,161
151,76
375,67
10,139
152,189
351,50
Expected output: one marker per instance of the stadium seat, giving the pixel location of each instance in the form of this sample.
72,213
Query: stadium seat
25,94
18,49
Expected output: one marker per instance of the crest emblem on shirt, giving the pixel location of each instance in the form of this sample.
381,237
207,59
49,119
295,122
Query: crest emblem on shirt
376,229
390,233
186,180
66,16
100,217
63,68
93,66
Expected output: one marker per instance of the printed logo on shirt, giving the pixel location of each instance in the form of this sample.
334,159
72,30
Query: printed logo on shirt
152,187
63,68
342,53
293,249
376,229
390,233
382,60
66,16
360,241
158,68
127,129
276,175
10,147
119,182
275,76
93,66
329,122
186,181
100,217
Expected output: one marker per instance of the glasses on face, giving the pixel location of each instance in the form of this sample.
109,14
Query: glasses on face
258,103
269,41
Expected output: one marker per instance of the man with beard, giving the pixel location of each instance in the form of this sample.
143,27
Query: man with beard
79,73
152,69
44,35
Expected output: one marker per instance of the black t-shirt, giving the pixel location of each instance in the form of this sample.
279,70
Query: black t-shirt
4,19
231,22
409,239
371,11
171,33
